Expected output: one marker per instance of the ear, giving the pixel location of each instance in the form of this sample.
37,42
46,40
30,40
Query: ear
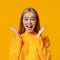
41,31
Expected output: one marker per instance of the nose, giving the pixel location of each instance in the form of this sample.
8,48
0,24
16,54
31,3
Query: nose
29,21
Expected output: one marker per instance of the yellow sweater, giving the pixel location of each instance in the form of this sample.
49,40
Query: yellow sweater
28,48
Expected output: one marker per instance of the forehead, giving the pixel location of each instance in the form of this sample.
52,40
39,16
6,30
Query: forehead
29,14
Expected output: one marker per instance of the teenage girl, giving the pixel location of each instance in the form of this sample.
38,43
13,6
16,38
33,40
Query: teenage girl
29,43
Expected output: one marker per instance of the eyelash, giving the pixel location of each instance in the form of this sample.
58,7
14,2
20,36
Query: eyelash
32,19
26,19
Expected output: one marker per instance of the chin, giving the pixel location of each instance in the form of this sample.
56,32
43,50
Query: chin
30,31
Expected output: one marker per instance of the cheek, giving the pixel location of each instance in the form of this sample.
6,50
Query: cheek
23,22
34,23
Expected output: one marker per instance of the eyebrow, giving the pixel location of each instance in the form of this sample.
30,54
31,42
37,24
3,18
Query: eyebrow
31,17
25,17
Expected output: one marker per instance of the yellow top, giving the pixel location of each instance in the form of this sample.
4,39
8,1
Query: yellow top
28,47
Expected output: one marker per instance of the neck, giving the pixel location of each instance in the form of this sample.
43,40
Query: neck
30,32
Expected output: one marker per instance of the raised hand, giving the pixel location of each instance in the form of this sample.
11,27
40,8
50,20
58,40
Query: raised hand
15,31
41,31
45,39
38,35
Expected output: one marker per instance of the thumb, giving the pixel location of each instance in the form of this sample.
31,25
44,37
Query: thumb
41,31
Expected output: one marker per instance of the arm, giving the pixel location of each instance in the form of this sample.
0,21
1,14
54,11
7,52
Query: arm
43,45
45,40
16,45
42,50
15,48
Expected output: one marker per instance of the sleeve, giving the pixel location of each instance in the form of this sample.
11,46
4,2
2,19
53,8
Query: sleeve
46,41
42,51
15,48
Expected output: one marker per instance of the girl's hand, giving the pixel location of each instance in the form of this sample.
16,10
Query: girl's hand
41,31
15,31
45,39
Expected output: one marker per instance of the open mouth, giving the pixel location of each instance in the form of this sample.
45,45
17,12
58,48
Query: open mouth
29,26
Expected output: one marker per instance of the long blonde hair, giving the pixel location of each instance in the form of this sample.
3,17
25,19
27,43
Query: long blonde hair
21,27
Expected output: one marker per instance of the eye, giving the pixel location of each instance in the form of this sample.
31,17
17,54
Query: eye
26,19
33,19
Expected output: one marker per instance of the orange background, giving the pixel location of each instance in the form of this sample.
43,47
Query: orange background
49,14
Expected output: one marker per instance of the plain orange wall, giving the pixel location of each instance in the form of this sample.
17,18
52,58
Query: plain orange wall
49,14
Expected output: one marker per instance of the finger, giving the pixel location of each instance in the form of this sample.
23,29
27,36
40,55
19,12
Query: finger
13,29
41,31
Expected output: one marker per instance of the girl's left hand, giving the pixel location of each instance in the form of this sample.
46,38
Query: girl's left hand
41,31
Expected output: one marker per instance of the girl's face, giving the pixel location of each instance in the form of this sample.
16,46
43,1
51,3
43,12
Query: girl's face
29,21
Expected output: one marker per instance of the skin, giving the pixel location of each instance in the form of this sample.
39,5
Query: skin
29,23
38,34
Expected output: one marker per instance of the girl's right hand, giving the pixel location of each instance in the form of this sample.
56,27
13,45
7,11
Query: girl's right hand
15,31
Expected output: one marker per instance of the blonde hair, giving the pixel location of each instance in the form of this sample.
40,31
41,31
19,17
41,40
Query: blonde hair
21,27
